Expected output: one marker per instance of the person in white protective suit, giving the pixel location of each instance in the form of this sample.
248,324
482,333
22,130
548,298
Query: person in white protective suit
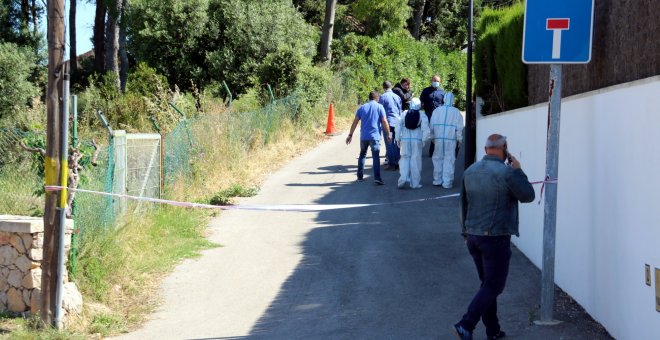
447,133
411,142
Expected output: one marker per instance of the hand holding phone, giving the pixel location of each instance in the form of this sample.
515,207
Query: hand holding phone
513,161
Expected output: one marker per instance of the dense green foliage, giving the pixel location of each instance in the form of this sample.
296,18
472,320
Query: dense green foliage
366,62
14,27
207,41
246,34
383,16
501,76
448,24
169,36
16,67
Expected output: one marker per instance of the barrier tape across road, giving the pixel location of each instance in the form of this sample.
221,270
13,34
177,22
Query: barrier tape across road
261,207
265,207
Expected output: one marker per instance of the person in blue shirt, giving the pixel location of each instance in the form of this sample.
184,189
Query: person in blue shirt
432,97
392,104
373,118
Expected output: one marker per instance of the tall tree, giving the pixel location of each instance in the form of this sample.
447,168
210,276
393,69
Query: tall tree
328,27
35,18
25,15
418,17
73,54
123,56
99,36
112,38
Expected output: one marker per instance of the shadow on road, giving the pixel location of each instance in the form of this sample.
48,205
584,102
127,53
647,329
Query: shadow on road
393,271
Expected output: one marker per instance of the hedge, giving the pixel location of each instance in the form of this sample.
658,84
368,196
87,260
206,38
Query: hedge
501,76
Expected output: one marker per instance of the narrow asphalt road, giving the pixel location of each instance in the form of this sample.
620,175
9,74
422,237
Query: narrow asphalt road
394,271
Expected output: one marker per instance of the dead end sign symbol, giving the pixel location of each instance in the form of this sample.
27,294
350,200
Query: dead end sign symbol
556,26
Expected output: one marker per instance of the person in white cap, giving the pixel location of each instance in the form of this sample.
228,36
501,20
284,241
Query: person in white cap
447,133
413,134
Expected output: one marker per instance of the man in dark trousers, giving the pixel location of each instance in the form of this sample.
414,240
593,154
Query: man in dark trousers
372,119
402,89
490,194
432,97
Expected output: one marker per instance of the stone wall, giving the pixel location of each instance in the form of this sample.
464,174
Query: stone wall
21,253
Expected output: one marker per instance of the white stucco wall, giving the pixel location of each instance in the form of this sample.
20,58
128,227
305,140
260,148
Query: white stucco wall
608,209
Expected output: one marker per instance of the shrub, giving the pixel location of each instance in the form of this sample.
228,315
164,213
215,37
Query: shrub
16,67
243,34
169,36
280,69
145,102
366,62
383,16
501,77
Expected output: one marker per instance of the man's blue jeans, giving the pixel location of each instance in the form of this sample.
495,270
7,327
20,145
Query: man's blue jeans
491,255
392,152
375,154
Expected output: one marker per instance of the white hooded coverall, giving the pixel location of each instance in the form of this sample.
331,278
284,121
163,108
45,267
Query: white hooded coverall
446,131
411,143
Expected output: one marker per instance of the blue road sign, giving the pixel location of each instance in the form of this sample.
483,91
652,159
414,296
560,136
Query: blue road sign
558,31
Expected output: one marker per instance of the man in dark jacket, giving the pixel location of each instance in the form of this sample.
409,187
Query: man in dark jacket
490,194
432,97
402,89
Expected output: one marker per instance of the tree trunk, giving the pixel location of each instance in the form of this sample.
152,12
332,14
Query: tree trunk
328,27
112,40
35,18
25,15
73,53
99,37
123,67
418,17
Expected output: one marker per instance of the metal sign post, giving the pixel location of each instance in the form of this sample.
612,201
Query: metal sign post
550,208
555,33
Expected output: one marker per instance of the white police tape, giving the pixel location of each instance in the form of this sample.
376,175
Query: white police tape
279,207
265,207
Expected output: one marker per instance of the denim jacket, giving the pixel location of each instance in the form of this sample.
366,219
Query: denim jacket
490,193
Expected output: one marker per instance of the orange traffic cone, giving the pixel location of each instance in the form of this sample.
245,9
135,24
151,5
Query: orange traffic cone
330,129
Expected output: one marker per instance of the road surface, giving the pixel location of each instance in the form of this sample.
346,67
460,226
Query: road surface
395,271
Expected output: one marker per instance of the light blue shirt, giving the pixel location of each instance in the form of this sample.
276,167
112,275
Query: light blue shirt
370,115
392,104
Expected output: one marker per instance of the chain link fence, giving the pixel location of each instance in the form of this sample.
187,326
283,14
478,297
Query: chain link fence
148,168
21,173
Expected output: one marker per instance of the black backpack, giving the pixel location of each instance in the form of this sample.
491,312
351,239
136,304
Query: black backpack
412,120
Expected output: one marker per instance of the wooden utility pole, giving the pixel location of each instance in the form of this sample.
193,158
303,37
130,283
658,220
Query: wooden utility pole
49,265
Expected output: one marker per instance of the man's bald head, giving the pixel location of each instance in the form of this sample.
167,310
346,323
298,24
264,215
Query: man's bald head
495,141
435,78
496,145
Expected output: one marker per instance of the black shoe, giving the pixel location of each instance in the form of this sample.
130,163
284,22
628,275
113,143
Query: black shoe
379,182
396,167
461,332
360,179
499,335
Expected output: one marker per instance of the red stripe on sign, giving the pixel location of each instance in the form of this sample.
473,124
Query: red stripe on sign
557,24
